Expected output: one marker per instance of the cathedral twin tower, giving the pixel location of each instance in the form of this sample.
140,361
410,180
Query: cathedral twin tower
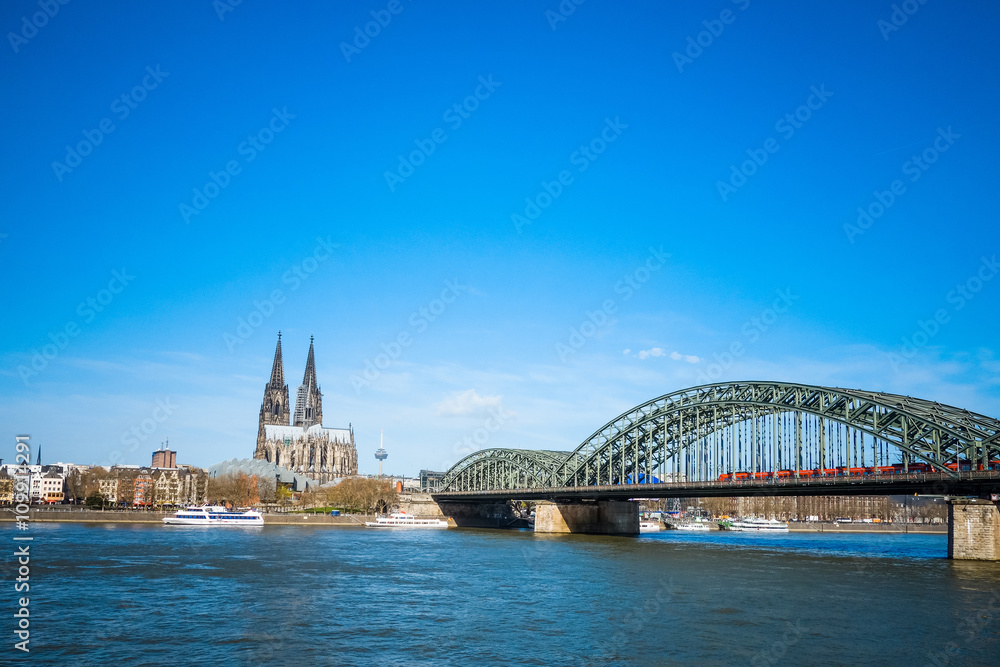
304,445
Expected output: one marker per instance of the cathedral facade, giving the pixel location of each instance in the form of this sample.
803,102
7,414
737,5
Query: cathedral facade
300,442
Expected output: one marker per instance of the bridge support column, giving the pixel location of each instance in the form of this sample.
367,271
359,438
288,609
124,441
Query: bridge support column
606,517
973,529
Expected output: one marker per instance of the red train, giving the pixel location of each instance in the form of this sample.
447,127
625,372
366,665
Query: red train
841,471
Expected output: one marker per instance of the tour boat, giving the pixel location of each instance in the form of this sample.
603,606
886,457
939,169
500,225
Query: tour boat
766,525
692,526
404,520
649,526
213,515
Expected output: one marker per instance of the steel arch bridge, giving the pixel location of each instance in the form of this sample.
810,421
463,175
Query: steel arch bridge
749,430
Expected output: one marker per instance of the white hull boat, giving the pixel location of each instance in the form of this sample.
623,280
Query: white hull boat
213,515
404,520
649,526
762,525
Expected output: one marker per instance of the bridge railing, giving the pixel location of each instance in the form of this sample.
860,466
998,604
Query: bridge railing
752,484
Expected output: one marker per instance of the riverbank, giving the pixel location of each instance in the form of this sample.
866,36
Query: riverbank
817,527
97,516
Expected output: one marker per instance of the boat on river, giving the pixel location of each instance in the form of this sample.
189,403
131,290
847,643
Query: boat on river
696,526
214,515
649,526
762,525
404,520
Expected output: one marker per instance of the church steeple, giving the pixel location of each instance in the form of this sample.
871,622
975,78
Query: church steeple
309,400
274,409
278,369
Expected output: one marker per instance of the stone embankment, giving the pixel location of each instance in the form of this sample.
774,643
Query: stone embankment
819,527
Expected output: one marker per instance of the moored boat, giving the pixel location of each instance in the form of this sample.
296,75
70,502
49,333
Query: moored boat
765,525
649,526
697,526
404,520
214,515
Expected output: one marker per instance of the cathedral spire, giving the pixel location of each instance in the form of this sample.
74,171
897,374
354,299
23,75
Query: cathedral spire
309,378
309,399
275,409
278,369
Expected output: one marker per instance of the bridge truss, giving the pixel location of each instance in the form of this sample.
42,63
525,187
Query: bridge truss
702,433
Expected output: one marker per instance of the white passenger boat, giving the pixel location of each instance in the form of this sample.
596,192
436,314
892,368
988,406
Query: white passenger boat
404,520
213,515
764,525
693,526
649,526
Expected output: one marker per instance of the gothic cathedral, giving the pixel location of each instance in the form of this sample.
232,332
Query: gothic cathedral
304,446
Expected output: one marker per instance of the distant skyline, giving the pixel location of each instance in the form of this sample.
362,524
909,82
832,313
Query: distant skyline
504,224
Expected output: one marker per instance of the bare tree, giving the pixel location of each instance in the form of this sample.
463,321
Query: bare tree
363,495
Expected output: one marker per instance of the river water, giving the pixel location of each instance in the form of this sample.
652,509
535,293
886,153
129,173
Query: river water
148,594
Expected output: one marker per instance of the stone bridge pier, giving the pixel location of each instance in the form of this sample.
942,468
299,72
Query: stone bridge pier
605,517
462,514
973,529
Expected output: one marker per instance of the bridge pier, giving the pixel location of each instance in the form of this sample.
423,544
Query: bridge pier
973,529
605,517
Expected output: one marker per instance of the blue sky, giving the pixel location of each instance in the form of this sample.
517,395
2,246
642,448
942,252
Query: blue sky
672,182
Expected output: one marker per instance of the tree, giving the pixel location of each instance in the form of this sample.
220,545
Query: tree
362,495
234,488
81,484
266,489
97,500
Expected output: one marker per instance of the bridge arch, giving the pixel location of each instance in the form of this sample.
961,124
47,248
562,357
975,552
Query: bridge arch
490,469
713,429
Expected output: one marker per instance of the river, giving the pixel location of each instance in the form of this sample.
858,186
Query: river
149,594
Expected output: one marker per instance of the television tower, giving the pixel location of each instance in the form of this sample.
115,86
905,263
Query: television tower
380,453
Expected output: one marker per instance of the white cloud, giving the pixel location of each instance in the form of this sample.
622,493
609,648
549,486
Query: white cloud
660,352
690,358
466,403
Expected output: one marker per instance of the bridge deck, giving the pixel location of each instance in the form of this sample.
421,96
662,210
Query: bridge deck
961,484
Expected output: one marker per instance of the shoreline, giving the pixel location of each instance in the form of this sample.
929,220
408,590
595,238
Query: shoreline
351,521
901,528
97,516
